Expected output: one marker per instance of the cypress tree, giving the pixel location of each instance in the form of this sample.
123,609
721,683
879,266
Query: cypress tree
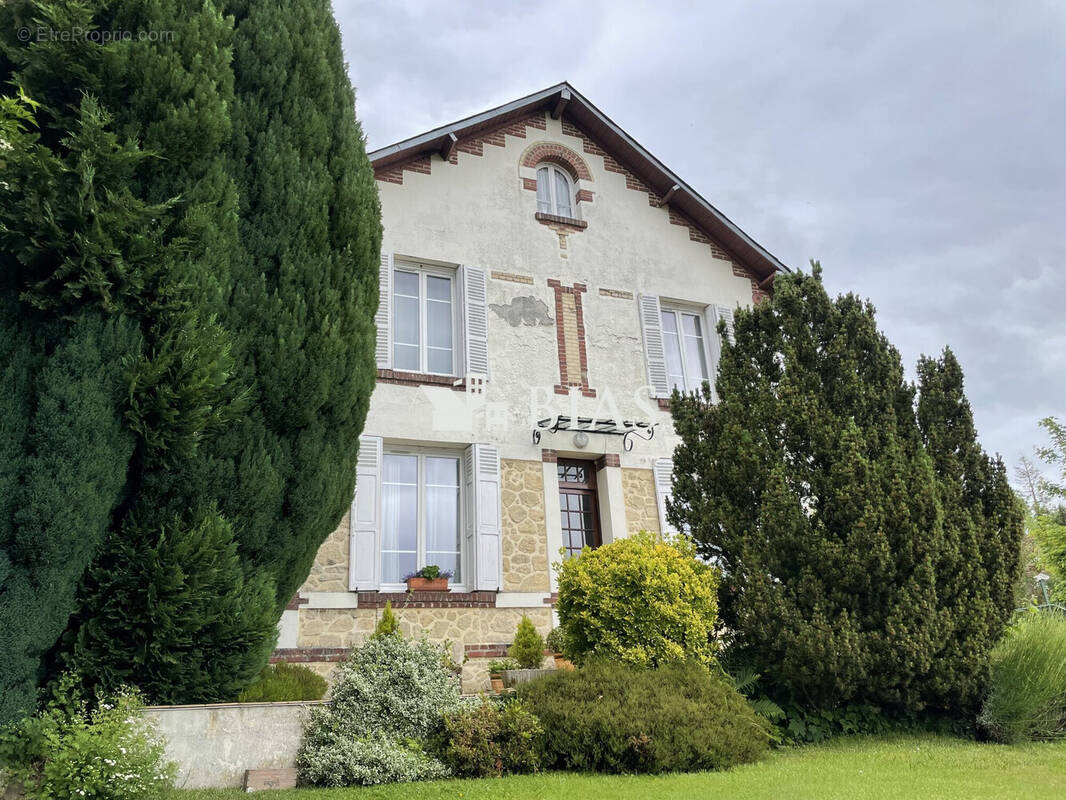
305,291
983,528
809,485
240,388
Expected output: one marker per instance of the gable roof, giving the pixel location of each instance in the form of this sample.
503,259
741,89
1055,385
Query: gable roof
565,99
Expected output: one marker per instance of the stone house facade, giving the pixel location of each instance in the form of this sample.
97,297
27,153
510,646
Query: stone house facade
545,283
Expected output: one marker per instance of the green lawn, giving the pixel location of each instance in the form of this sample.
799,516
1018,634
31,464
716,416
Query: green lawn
857,769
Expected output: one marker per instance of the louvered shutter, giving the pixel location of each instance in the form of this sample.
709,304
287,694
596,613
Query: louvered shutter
651,325
482,476
663,472
383,320
714,341
725,313
366,516
475,321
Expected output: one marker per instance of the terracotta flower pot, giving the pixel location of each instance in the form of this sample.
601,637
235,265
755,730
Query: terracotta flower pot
496,681
427,585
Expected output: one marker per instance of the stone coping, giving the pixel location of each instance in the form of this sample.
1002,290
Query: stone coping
275,704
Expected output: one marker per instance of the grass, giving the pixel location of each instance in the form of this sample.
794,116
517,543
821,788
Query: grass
927,767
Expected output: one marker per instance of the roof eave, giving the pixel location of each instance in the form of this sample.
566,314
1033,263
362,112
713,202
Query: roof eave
617,141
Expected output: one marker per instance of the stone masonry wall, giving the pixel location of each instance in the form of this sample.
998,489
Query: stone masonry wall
642,510
524,537
345,627
329,572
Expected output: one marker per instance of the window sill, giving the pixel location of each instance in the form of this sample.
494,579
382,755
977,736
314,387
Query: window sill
401,378
427,599
553,219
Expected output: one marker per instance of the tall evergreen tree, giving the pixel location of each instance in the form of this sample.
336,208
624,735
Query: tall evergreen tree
809,485
238,379
305,293
983,528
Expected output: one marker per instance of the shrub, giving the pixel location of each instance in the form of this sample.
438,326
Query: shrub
528,646
1027,693
491,739
386,699
498,665
612,718
72,750
367,761
638,600
388,623
556,640
283,682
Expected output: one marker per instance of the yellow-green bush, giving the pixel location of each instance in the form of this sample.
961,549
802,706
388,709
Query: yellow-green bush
640,600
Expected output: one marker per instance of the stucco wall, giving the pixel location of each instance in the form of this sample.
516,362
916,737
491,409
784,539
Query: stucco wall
215,744
524,541
476,212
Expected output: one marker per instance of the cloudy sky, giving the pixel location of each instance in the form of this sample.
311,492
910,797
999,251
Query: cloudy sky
918,149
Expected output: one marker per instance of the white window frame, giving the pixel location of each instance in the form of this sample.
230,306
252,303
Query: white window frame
553,201
423,270
420,534
700,313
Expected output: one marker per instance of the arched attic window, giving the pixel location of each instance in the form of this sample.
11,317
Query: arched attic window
555,191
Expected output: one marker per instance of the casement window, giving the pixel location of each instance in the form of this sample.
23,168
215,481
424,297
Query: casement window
421,514
555,191
684,344
681,343
432,319
424,321
416,506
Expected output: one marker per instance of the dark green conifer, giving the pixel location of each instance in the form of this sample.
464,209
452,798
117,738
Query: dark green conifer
809,485
983,528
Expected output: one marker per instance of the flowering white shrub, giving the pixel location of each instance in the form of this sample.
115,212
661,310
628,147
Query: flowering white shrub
386,699
367,761
71,750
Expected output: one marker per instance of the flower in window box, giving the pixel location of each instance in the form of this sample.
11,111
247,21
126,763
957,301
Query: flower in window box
430,578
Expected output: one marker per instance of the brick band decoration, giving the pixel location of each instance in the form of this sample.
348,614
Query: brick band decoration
608,460
471,145
570,336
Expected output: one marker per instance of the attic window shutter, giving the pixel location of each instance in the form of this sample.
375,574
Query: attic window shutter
482,468
475,321
366,516
383,319
663,472
651,325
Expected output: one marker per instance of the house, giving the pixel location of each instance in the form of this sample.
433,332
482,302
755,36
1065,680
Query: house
545,283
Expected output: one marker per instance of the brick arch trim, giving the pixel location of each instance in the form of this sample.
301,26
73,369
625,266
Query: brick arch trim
540,152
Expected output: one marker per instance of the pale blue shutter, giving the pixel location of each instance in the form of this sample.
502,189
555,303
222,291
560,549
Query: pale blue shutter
651,325
663,472
482,462
383,319
475,322
364,549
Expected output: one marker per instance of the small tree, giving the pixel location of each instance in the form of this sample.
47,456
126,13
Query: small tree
388,624
639,600
528,646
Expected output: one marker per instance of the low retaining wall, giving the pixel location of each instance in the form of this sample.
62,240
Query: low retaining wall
215,744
